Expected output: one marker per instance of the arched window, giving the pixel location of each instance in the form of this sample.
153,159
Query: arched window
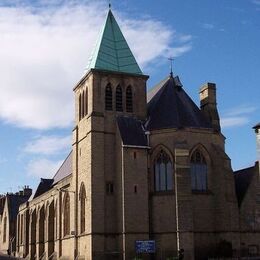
129,99
4,235
66,214
82,198
86,102
80,107
119,99
56,220
199,171
22,228
82,104
109,98
163,172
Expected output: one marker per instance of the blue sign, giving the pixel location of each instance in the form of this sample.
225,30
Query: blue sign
145,246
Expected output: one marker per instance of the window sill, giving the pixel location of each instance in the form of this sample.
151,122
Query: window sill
163,193
202,192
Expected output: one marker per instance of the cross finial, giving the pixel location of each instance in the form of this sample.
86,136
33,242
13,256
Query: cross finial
171,59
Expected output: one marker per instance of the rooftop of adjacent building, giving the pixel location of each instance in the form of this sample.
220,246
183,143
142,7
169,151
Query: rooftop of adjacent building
14,200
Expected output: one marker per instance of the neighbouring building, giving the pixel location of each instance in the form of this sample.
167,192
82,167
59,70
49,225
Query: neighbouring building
9,207
143,166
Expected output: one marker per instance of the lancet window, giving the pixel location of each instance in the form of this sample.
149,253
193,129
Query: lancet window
108,98
199,171
163,172
129,100
119,99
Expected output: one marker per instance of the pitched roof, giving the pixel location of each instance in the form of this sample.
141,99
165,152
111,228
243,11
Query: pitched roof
14,201
132,131
65,169
44,185
112,51
243,179
169,106
257,126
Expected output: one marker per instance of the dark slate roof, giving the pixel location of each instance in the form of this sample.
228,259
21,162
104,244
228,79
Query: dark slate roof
44,185
65,169
14,201
169,106
132,131
243,179
256,126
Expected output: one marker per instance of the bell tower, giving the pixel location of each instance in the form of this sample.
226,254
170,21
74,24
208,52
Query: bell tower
113,86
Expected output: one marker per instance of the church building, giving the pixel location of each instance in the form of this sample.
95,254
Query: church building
145,168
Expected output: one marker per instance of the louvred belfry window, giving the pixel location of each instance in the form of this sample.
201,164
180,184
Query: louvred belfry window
119,99
163,172
199,171
129,100
108,98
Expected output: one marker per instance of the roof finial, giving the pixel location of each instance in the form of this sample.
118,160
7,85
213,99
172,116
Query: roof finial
109,5
171,59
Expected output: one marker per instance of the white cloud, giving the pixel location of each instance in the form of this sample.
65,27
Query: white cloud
228,122
208,26
44,52
48,145
237,116
257,2
245,109
43,168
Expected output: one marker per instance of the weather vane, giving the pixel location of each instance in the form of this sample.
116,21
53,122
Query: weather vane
171,59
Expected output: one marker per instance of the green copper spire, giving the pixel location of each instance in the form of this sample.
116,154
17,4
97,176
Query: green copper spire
112,51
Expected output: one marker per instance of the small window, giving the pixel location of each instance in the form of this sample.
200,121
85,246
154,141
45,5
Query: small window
129,100
119,99
109,188
108,98
135,188
199,171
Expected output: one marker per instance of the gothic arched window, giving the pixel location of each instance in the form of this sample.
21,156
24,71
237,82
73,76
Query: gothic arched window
129,99
83,104
80,107
66,214
199,171
86,102
82,198
119,99
108,98
163,172
4,235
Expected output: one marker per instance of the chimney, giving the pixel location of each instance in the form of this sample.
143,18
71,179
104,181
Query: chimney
27,191
208,104
257,131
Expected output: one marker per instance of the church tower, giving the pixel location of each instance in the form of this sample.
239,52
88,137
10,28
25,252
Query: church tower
110,102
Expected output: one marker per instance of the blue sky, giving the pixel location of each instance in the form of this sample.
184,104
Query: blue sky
44,50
